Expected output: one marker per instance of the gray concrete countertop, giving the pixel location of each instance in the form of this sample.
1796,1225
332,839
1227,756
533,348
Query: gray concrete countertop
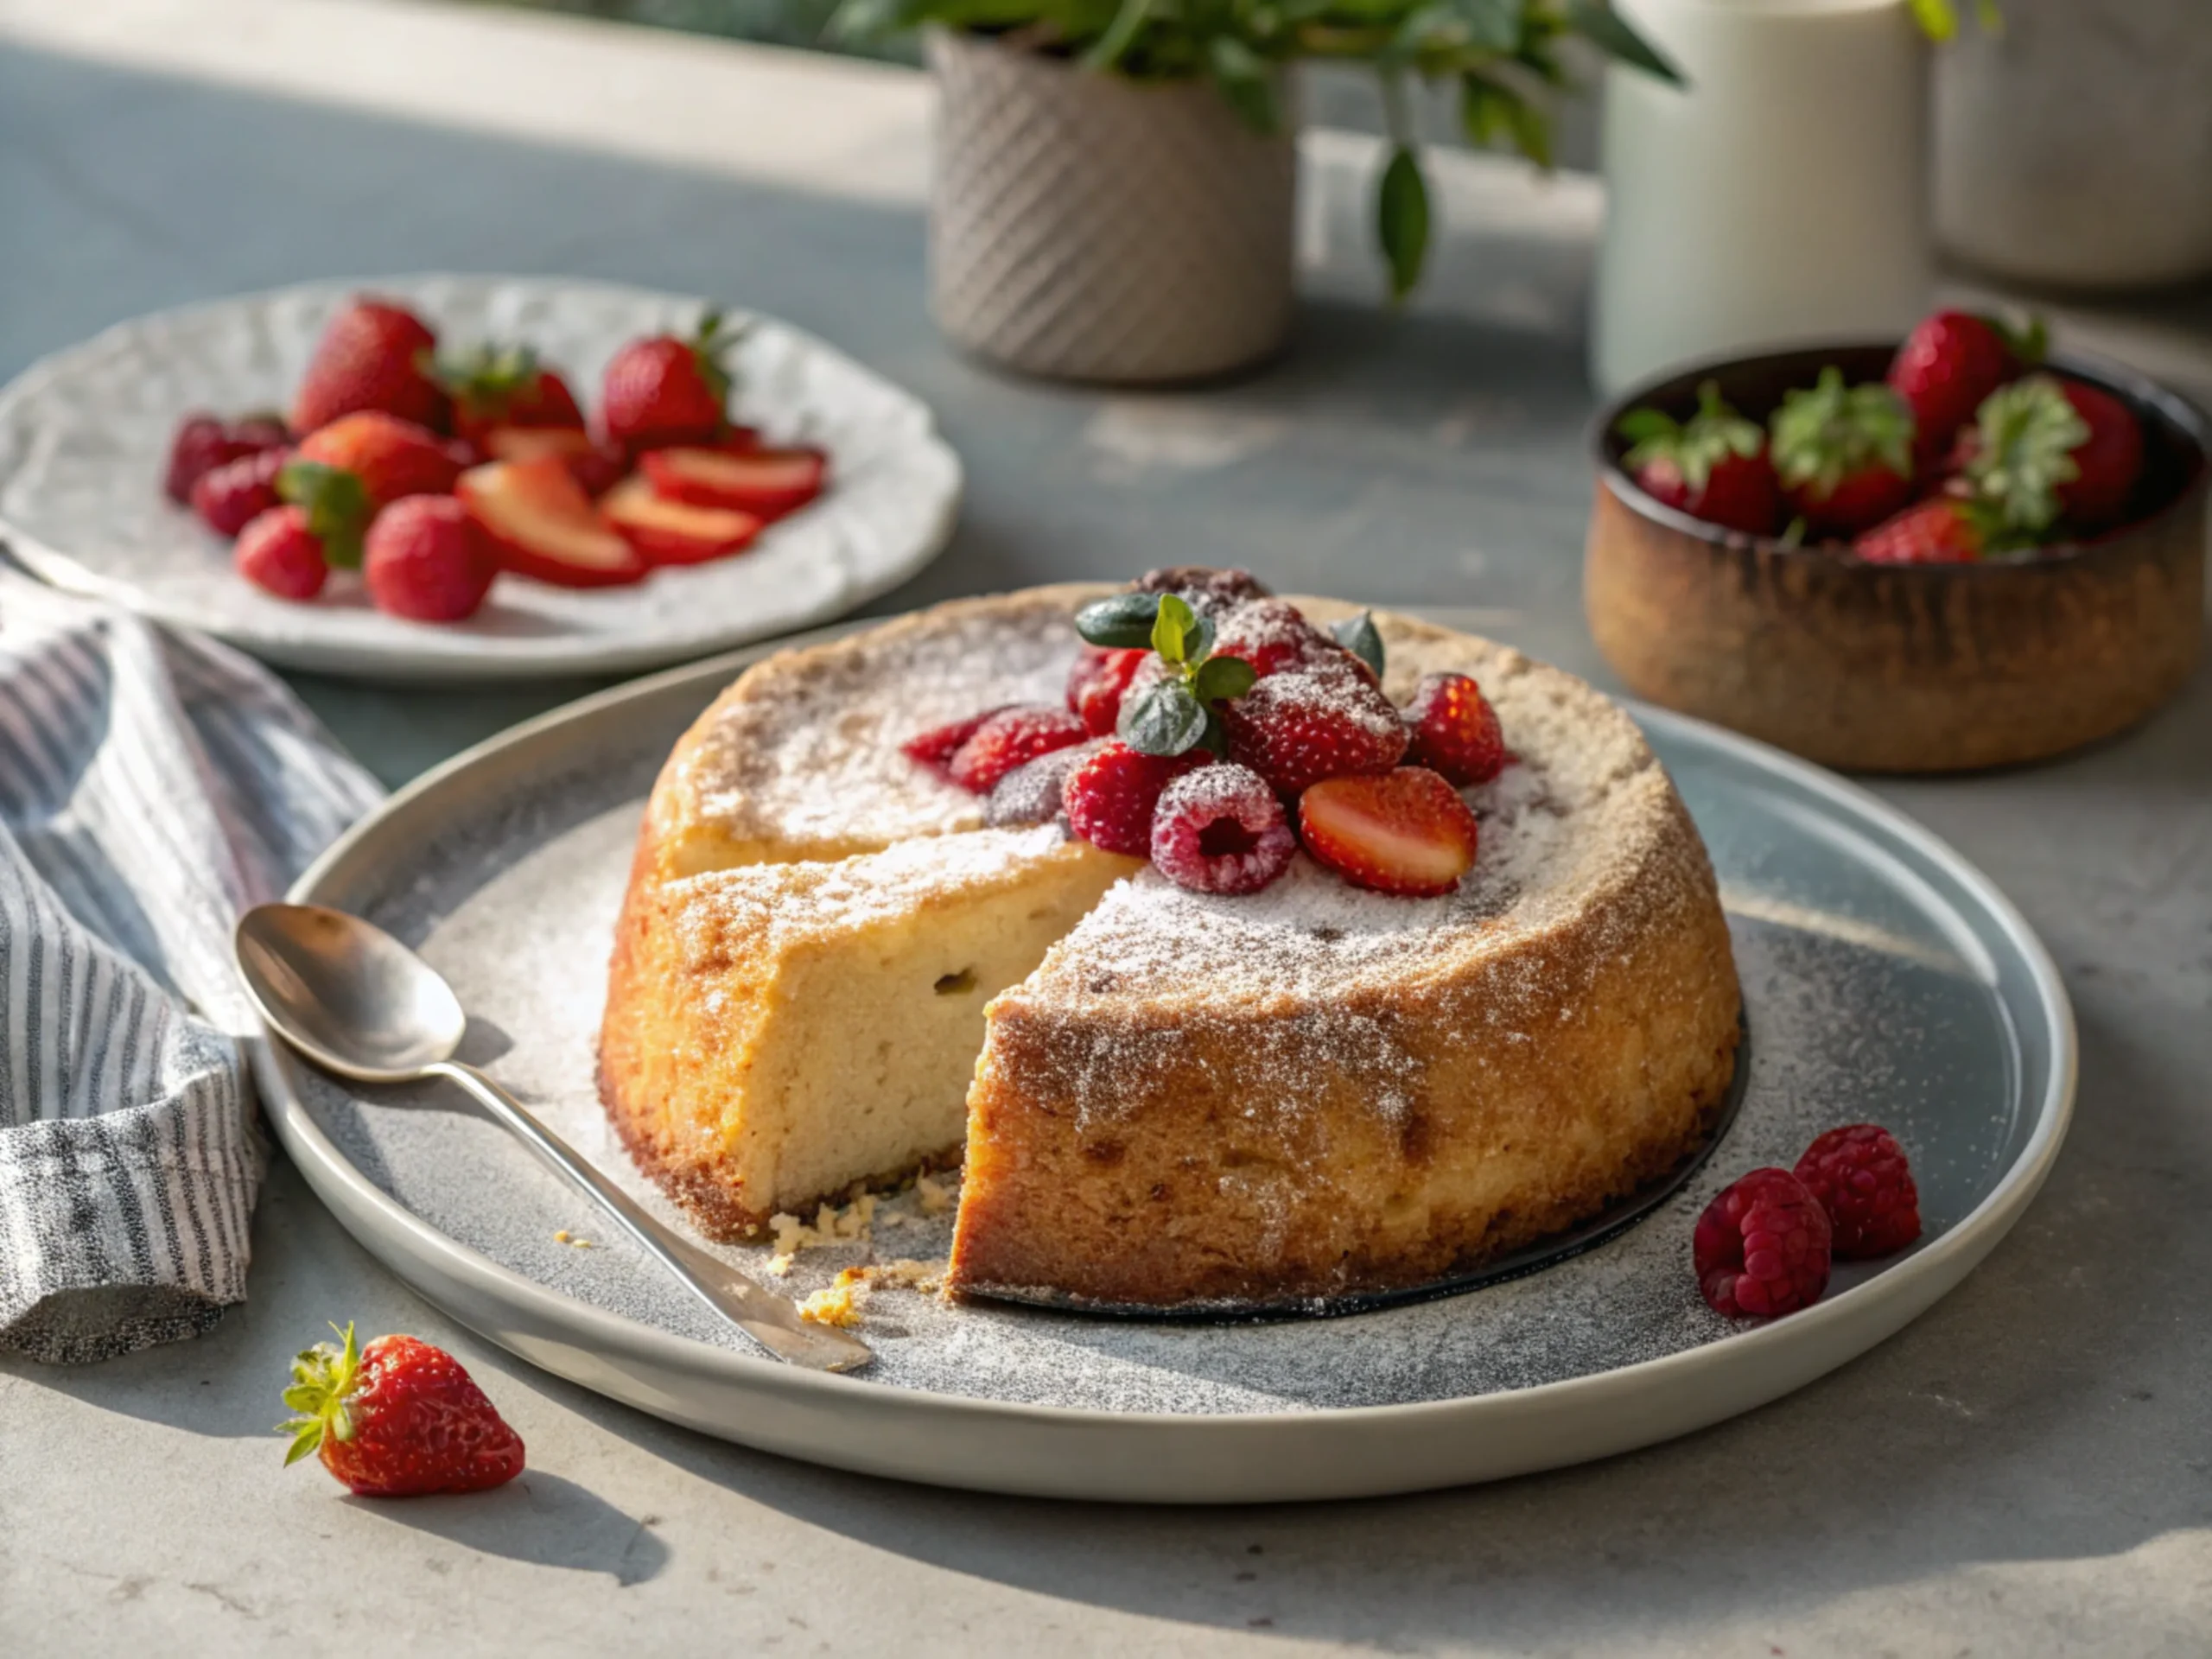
2026,1470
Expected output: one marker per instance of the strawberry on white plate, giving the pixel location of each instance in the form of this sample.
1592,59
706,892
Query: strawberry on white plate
544,525
766,483
675,532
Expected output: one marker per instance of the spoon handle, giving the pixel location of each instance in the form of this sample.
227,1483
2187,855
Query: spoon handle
770,1320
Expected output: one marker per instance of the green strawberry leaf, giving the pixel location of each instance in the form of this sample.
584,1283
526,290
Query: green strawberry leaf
2025,434
1163,719
1123,622
337,504
1219,678
1358,635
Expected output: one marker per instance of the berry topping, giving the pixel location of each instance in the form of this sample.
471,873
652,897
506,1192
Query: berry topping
1713,466
372,355
1204,589
1007,739
232,495
1273,635
935,747
279,553
1033,792
1296,729
426,558
1843,454
1947,364
1406,832
1110,796
1761,1248
1097,682
398,1419
1221,829
1860,1177
1455,730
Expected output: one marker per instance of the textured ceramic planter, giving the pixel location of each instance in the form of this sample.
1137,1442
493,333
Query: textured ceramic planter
1085,227
2076,147
1901,668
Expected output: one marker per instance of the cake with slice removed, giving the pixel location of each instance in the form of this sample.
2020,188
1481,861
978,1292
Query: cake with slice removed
1182,1099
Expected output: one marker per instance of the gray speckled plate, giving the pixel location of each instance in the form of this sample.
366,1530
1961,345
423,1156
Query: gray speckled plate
1884,978
83,435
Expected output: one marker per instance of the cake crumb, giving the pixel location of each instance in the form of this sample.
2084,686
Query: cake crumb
564,1236
903,1273
840,1305
855,1222
933,1195
780,1265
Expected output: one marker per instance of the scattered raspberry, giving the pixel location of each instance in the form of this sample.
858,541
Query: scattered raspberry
1221,829
1274,635
1296,729
1008,737
427,559
1860,1177
1097,682
1110,798
1405,832
280,555
234,494
1455,730
1208,591
1031,792
935,748
1761,1249
203,443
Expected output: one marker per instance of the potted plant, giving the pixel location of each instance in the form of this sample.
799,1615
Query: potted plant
1116,180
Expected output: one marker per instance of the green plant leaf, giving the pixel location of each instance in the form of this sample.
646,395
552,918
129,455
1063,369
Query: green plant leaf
1607,30
1359,635
1219,678
1938,19
1245,80
1401,220
1107,50
1172,627
1163,719
1124,622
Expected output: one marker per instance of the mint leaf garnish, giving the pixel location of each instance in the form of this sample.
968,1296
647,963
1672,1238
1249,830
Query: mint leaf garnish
1123,622
1358,635
1220,677
1163,719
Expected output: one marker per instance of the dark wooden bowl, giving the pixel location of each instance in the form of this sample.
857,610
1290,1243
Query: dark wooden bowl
1891,668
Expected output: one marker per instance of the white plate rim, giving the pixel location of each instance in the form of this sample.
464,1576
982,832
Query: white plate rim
1065,1452
442,666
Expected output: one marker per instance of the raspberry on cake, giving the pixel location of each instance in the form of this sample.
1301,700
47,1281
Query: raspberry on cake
829,970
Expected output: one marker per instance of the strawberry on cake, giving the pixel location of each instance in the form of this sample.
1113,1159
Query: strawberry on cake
1250,951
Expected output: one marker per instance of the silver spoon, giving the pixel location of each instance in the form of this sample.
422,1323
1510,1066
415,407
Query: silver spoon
357,1003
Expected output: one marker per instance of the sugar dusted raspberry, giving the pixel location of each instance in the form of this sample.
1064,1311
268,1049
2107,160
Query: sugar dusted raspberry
1761,1248
1206,590
1860,1176
1008,737
1298,727
1031,793
1273,635
1096,684
1455,730
1221,829
935,748
1110,796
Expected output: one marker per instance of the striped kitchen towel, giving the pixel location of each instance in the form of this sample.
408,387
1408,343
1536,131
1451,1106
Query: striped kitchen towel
152,785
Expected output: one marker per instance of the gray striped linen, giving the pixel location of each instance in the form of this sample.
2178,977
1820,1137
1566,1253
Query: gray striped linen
152,785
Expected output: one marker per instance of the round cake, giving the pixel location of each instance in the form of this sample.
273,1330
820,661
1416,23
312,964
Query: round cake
832,969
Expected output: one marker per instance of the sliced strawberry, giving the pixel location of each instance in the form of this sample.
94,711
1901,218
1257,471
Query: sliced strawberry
767,483
1405,831
596,466
544,525
1009,739
1099,682
935,748
675,532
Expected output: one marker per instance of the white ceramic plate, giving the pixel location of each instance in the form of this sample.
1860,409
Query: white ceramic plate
84,436
1884,978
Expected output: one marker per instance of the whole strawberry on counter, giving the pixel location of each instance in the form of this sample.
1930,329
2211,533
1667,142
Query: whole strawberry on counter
665,390
1843,454
1713,466
398,1419
1948,364
375,355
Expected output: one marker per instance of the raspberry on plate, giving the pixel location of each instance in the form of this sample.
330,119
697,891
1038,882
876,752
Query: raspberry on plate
1405,832
1032,792
230,496
1298,727
1761,1248
1221,829
1859,1175
427,560
935,748
1097,683
280,555
1273,635
1455,731
203,443
1008,737
1110,798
